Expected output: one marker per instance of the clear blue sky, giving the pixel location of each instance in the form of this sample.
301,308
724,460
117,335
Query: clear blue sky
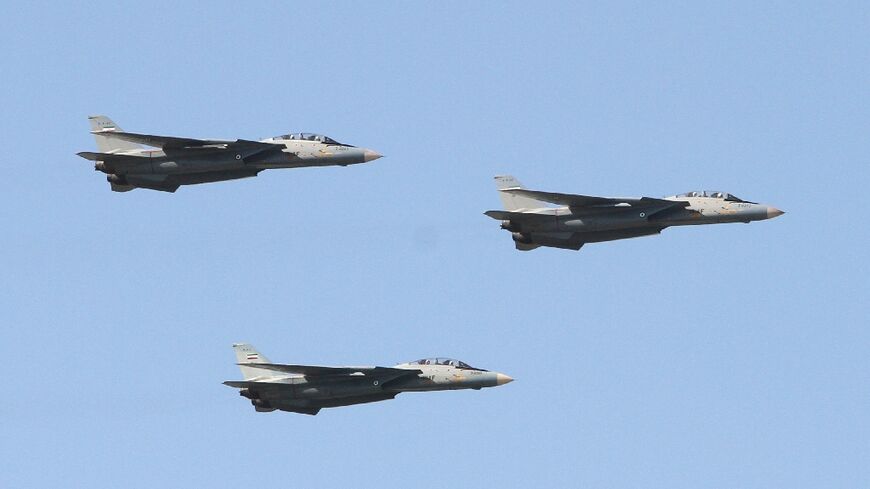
722,356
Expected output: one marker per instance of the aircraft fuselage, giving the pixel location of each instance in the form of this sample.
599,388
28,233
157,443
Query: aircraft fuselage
571,228
304,395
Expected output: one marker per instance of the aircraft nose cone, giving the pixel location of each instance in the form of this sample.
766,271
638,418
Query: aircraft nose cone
774,212
501,379
369,155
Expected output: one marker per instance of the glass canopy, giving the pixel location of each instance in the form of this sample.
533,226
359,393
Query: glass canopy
307,136
452,362
713,194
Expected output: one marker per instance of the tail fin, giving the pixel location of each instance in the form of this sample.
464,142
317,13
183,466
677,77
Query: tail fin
109,145
246,353
515,202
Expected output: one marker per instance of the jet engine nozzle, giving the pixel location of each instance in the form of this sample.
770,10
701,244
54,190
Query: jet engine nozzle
522,238
259,403
116,179
510,226
250,395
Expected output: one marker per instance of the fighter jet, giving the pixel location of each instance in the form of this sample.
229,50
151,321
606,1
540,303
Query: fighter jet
581,219
306,389
186,161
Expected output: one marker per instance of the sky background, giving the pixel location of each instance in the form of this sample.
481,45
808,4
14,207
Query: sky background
717,356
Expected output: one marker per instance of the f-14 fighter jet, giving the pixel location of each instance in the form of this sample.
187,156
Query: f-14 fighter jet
581,219
173,161
306,389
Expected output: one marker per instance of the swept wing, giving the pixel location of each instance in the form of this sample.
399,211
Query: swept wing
318,371
579,201
169,142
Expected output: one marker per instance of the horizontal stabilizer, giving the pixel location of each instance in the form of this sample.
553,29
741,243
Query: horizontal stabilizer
519,216
246,384
114,158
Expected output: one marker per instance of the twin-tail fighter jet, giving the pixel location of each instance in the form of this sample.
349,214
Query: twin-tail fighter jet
581,219
173,161
307,389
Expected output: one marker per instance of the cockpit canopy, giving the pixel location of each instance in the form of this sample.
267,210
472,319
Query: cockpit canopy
713,194
445,361
307,136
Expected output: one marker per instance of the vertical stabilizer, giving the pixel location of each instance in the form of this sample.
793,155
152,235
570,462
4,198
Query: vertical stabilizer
246,353
515,202
109,145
